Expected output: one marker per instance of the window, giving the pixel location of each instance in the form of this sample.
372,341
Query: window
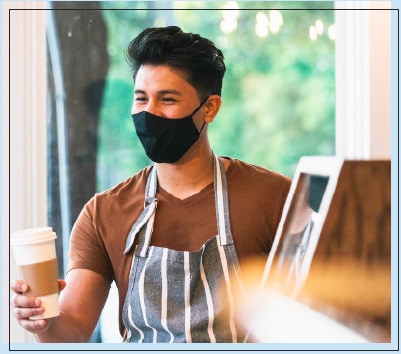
278,93
27,205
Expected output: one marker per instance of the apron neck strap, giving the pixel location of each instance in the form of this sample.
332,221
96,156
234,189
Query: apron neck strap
151,185
147,215
222,209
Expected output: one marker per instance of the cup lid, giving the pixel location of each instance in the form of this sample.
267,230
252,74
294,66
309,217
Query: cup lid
31,236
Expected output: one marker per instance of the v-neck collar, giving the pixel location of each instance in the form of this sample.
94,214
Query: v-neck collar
194,197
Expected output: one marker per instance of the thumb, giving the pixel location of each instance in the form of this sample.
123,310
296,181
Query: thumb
61,284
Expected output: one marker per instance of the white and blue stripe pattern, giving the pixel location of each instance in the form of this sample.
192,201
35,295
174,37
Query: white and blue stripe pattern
179,296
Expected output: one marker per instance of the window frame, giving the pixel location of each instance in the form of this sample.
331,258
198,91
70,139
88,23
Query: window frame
24,148
355,97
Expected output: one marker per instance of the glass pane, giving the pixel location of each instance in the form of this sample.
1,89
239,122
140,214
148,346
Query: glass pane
278,92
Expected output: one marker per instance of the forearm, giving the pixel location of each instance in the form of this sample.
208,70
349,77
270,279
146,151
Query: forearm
64,329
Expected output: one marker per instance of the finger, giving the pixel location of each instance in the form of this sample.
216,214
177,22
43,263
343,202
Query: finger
25,301
34,326
21,313
18,286
61,284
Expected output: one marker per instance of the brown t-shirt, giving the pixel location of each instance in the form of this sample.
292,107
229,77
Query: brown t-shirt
256,199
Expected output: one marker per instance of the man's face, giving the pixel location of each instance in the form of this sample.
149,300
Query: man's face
163,91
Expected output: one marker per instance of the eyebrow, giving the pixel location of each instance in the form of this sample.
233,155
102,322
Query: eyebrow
161,92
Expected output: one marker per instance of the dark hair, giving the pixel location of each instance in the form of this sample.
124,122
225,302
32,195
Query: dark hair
197,57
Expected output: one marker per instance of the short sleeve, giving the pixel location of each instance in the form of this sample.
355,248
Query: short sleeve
87,250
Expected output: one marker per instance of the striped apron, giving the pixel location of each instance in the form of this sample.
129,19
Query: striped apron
180,296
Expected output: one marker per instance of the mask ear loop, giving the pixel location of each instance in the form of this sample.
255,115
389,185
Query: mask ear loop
196,110
202,103
203,125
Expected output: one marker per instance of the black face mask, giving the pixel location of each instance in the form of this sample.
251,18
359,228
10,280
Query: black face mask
165,139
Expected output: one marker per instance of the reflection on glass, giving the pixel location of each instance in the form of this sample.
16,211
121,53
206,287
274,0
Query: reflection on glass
341,219
297,242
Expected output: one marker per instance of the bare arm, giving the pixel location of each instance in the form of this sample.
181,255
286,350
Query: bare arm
81,303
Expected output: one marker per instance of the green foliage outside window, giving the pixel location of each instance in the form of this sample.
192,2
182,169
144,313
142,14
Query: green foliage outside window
278,93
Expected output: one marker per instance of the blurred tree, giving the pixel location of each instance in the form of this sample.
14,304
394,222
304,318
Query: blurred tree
81,33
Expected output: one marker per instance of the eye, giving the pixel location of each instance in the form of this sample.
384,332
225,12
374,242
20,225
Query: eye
169,100
140,99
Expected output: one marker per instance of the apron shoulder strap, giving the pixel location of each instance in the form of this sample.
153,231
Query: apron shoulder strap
150,205
222,208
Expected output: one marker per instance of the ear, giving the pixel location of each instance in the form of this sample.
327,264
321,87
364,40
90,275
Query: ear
212,107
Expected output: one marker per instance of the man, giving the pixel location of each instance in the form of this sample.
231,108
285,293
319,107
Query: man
173,236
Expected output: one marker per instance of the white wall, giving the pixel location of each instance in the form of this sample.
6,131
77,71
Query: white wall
24,117
380,80
363,79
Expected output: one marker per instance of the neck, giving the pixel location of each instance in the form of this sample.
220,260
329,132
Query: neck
189,175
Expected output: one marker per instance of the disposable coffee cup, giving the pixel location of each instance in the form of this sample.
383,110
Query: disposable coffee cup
35,256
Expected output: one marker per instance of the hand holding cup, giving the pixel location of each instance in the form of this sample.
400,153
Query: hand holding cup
37,292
